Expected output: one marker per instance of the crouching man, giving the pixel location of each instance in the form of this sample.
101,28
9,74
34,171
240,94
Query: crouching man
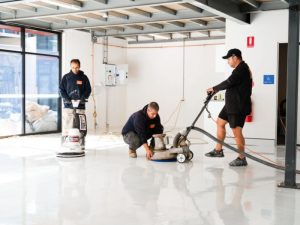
140,127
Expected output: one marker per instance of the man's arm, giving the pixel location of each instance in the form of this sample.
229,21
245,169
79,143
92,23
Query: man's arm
149,153
62,89
87,88
234,79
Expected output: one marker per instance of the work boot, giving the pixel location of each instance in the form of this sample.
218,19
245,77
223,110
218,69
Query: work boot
215,153
239,162
132,153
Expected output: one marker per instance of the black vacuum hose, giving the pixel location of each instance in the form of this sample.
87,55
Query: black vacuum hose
238,151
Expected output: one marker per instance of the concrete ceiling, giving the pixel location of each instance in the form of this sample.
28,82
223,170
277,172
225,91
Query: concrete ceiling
136,20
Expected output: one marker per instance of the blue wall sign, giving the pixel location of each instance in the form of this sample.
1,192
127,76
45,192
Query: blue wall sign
269,79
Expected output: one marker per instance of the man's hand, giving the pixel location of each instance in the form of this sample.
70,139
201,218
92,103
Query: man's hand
67,101
83,100
210,91
149,154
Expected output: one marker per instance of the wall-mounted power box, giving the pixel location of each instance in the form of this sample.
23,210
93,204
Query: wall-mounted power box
115,74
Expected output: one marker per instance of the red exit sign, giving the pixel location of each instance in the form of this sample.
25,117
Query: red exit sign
250,41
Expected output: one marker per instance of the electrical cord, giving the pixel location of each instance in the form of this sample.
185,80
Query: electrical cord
177,109
93,86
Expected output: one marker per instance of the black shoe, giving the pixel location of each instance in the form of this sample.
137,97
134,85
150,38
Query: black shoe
215,153
239,162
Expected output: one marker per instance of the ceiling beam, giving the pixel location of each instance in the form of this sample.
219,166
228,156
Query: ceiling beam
137,27
164,36
270,5
252,3
99,30
177,40
140,12
88,6
200,22
165,9
101,1
8,11
93,16
68,4
37,24
74,18
54,20
156,18
122,29
227,9
168,28
220,19
45,5
23,7
192,7
177,23
117,14
156,25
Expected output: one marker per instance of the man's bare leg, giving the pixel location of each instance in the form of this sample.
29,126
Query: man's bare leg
239,139
221,132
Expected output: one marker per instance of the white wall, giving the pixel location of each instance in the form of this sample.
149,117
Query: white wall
78,44
156,74
262,59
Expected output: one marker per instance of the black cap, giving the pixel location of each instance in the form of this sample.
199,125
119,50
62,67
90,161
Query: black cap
233,52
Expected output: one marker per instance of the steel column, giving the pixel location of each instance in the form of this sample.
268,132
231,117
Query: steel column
292,97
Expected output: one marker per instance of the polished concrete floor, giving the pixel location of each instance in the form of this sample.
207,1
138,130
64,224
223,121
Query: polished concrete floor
106,187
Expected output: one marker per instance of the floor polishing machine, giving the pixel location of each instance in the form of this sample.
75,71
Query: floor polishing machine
180,149
73,144
181,152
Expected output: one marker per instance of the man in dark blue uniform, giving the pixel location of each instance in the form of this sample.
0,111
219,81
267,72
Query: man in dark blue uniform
74,85
140,127
237,105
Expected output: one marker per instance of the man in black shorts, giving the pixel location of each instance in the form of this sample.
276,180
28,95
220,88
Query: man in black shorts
237,105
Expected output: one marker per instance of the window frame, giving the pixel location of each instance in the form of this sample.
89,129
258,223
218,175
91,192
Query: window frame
23,53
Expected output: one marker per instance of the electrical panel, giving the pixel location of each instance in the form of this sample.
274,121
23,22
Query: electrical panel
110,75
121,74
115,74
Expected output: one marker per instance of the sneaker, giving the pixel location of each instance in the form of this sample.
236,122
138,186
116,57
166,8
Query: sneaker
239,162
215,153
132,153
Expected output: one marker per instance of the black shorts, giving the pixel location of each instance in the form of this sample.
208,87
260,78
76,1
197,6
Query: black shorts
234,120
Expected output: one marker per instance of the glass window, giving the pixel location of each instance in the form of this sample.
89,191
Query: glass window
10,38
41,42
41,91
10,94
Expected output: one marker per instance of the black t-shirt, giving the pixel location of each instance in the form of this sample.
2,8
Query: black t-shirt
238,88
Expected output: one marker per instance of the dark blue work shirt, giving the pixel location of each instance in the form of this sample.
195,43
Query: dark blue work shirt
75,87
142,125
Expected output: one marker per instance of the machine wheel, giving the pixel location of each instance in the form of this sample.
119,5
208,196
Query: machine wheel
190,155
181,158
179,140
